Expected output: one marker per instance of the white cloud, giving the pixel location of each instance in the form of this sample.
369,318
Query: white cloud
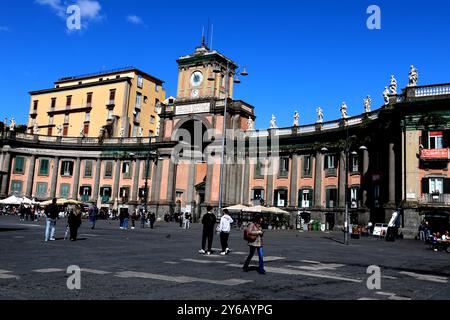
90,9
4,29
134,19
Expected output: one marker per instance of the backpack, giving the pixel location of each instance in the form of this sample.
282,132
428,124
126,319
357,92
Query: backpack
247,234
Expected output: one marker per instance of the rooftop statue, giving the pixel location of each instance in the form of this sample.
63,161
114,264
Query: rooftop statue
250,124
296,119
319,115
413,77
344,114
393,85
386,96
367,104
273,122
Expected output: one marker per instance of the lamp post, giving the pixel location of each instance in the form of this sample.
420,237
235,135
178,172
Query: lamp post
147,169
348,145
244,73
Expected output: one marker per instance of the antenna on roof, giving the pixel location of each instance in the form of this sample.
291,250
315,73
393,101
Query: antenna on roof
212,36
203,37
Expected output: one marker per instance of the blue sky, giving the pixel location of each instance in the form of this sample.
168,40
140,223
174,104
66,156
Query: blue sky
299,55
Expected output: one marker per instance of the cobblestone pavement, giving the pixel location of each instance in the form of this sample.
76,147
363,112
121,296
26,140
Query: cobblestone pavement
164,264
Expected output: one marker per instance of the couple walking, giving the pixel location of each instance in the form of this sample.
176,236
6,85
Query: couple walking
209,221
253,234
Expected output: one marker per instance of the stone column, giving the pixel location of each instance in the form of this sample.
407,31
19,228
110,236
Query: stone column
342,178
191,182
30,178
76,179
156,181
54,177
318,180
365,178
137,170
246,185
392,197
209,177
270,176
117,180
238,190
293,186
7,170
98,175
171,182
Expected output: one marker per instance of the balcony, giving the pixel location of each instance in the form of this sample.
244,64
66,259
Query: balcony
434,154
435,198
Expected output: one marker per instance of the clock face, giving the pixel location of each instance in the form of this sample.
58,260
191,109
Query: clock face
196,79
194,93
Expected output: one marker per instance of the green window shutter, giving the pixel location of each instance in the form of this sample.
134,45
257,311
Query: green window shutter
425,138
425,186
446,186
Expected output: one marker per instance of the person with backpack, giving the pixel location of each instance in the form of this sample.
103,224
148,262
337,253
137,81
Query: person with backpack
209,221
253,234
224,228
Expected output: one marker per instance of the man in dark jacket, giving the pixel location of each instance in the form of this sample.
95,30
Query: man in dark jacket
52,214
209,221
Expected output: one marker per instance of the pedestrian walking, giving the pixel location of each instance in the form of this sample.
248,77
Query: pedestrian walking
224,228
50,225
253,234
133,220
181,218
22,213
74,222
126,219
209,220
143,218
121,219
187,220
93,215
152,219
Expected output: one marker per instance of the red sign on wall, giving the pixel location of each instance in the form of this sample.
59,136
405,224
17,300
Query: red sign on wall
434,154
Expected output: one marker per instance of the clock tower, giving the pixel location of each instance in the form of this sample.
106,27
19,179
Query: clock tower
196,76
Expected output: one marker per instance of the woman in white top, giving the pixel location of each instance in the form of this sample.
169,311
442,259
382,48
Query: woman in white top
224,228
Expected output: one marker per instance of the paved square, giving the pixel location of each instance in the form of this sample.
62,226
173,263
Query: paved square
164,264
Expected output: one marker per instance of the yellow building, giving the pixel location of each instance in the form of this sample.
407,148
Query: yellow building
116,103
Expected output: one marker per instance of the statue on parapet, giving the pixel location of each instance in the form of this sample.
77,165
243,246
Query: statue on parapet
367,104
296,119
35,129
393,85
273,122
59,131
12,124
319,115
122,132
141,132
386,96
250,124
413,77
343,109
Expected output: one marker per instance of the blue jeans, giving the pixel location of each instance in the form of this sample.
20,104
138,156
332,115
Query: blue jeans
50,229
125,223
260,255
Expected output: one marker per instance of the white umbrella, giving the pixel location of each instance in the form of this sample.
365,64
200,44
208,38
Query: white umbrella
238,207
13,200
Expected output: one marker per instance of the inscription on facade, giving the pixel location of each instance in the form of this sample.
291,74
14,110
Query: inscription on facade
193,108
